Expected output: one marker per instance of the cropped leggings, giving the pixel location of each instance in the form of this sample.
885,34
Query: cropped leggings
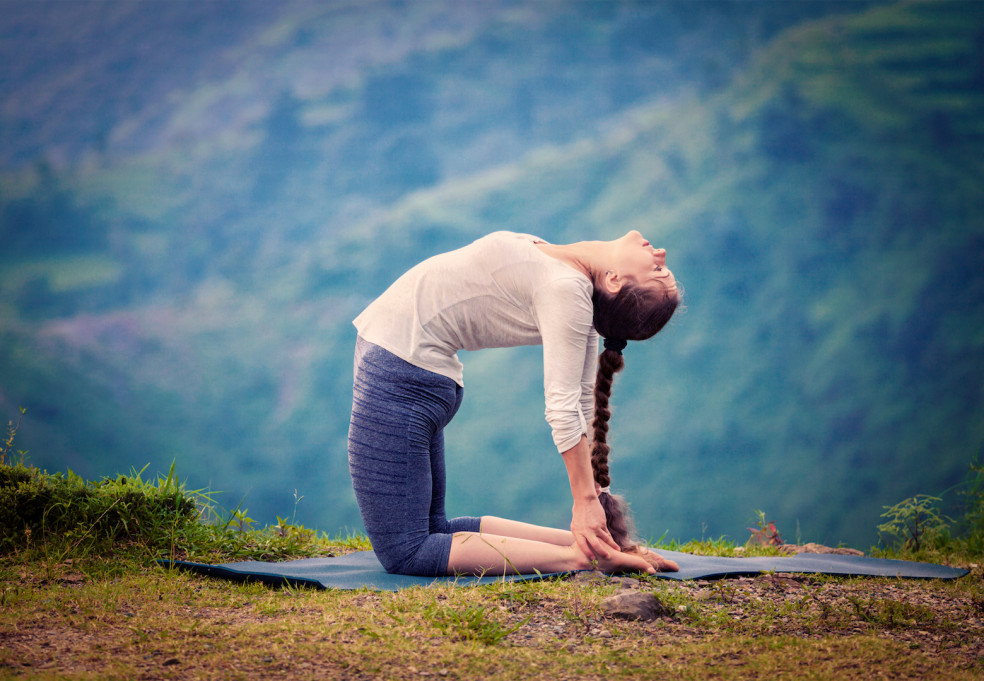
396,458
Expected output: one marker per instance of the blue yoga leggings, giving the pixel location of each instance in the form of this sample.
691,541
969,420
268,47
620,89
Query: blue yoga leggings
396,458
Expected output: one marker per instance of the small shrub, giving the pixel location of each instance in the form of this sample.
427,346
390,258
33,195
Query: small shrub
917,523
972,523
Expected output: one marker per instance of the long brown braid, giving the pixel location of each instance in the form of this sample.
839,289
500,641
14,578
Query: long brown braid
619,520
634,313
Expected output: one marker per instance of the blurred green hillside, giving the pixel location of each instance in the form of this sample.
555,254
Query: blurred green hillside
187,229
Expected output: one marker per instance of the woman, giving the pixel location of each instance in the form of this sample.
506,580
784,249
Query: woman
503,290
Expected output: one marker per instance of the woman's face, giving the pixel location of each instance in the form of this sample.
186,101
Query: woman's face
637,260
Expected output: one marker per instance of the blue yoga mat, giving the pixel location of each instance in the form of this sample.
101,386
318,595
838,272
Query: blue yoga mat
353,571
362,571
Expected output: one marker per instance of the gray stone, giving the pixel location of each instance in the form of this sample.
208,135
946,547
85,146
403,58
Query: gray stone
635,605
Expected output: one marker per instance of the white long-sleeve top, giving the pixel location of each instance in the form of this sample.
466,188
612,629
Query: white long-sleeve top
499,291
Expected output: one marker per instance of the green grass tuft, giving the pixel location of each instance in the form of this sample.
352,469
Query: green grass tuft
62,516
38,506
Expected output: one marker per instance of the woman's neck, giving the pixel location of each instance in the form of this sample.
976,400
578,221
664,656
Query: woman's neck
587,257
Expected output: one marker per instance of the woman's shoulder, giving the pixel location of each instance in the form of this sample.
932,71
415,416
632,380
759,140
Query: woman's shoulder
506,235
504,246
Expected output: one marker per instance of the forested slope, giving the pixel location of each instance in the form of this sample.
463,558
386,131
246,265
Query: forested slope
181,284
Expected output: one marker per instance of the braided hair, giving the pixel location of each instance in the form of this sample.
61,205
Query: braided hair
634,313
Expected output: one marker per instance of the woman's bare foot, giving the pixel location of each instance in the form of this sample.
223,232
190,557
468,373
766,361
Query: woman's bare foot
657,561
617,561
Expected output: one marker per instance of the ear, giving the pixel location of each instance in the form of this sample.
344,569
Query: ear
611,282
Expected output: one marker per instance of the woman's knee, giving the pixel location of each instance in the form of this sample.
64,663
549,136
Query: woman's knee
393,561
426,559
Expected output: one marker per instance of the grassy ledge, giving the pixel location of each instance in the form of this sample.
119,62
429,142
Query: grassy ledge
81,596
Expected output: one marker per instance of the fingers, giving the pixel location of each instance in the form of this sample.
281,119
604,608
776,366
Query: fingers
608,545
595,547
611,542
584,546
601,550
597,544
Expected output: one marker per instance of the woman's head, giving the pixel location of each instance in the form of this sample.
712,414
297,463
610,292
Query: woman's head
632,257
638,294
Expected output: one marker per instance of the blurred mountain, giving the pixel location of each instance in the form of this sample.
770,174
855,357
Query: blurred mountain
196,199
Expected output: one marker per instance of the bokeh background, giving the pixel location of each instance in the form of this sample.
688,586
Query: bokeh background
196,198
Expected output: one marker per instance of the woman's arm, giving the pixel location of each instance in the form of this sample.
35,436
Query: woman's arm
564,316
588,522
588,375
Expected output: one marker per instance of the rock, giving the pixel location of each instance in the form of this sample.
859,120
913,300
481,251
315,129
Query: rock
635,605
818,548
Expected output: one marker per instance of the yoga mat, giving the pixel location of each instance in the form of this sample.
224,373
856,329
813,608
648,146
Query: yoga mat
362,571
353,571
716,567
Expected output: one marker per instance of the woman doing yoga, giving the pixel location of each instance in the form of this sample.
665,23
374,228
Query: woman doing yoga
502,290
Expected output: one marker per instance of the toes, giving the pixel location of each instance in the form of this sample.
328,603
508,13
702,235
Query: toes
653,558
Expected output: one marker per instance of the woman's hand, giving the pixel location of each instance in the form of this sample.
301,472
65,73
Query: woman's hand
590,529
600,552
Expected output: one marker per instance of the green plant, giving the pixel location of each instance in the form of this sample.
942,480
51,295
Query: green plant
241,521
765,532
917,523
12,428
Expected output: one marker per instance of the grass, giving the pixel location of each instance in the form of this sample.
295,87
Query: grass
82,596
101,618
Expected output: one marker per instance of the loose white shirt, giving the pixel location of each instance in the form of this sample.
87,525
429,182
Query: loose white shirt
499,291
